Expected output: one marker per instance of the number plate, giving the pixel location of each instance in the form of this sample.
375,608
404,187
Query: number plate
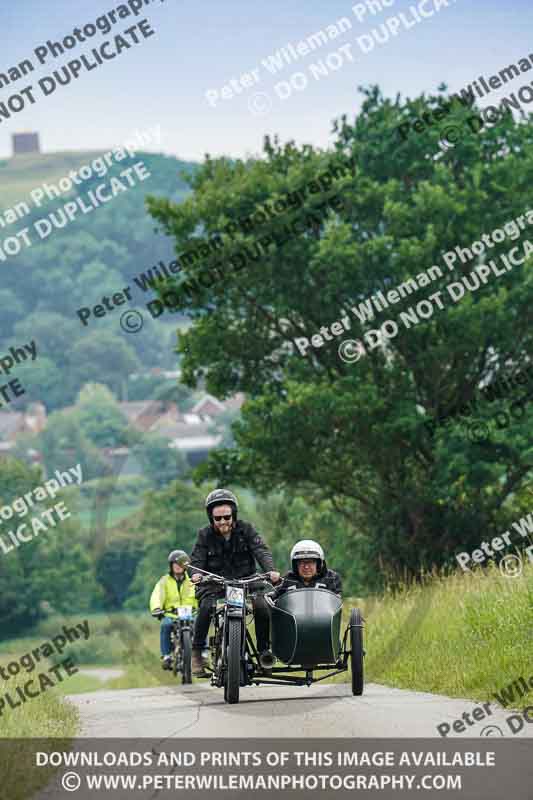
185,612
235,596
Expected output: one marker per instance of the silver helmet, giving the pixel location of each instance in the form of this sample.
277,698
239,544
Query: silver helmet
307,548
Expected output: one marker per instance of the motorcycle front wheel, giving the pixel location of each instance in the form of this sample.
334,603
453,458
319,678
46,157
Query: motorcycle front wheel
186,656
233,661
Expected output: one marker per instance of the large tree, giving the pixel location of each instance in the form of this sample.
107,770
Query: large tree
55,562
353,433
102,357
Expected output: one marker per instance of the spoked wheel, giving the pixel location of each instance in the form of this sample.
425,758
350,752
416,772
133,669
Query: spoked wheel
175,654
186,657
233,662
356,644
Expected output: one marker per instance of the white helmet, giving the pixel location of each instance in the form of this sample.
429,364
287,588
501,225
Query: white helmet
307,548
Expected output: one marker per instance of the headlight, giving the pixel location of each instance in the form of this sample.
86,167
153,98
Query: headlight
185,612
235,596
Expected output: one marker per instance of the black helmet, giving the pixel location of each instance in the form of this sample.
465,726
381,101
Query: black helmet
177,557
218,498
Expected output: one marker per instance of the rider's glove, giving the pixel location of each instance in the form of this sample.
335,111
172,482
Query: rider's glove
157,613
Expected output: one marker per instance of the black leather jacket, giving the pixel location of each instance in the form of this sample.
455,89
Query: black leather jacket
327,579
234,559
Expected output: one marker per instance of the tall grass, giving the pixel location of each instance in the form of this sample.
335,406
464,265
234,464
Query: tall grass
45,715
465,635
129,641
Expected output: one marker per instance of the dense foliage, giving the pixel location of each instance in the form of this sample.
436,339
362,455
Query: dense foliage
98,254
53,570
353,434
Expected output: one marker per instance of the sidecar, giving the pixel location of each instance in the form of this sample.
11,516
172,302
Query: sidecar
306,636
306,625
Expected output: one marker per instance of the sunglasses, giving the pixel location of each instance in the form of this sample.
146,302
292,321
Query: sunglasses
226,517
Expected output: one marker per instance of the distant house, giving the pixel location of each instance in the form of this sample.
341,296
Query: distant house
209,406
191,432
191,436
11,424
145,414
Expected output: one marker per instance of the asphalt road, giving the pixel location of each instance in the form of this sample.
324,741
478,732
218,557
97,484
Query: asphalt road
318,711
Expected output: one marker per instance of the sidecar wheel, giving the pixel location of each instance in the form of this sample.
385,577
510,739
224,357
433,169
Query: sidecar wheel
356,658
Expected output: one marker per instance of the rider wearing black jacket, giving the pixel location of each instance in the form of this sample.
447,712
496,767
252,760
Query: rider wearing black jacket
304,575
228,547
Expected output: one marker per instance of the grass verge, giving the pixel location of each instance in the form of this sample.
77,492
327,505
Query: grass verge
465,635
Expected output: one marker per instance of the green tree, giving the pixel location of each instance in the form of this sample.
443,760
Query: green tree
16,608
116,566
353,433
170,519
43,382
63,444
12,308
156,387
52,333
61,570
100,418
161,463
16,478
102,358
55,563
285,518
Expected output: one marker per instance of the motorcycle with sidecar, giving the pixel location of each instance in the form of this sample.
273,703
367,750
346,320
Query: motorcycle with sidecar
305,632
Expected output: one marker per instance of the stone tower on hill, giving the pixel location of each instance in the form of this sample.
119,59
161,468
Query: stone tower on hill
24,143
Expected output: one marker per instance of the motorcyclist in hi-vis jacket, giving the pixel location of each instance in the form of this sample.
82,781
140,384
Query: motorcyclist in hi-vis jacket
171,591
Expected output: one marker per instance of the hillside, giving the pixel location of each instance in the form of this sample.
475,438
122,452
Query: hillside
21,174
75,265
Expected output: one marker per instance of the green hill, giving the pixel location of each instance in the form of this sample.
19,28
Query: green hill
21,174
94,255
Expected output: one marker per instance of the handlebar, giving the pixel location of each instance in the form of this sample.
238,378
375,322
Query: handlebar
212,578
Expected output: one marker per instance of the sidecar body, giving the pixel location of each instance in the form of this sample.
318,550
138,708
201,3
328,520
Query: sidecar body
306,625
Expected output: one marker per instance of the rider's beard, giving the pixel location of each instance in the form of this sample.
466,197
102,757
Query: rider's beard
224,529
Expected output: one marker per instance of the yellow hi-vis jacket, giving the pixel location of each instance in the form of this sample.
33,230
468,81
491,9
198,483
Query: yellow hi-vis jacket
168,593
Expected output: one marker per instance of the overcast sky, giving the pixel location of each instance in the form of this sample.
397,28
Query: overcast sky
202,46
